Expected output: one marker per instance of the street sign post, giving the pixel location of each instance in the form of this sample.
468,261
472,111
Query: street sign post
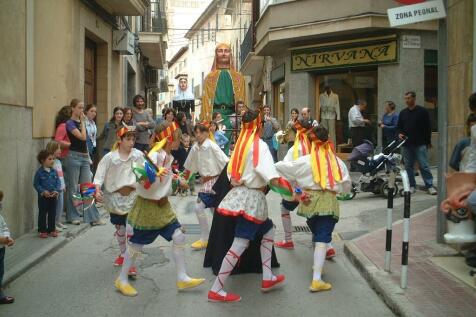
420,12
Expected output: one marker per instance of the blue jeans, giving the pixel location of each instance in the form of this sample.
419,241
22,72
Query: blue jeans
78,171
412,154
59,206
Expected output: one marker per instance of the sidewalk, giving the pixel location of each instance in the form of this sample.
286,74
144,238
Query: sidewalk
431,291
30,250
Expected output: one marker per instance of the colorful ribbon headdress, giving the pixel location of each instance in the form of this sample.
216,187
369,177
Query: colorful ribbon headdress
121,132
249,136
302,140
324,162
163,137
207,124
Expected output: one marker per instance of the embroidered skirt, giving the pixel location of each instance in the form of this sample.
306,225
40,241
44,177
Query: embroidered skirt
151,214
246,202
323,203
117,204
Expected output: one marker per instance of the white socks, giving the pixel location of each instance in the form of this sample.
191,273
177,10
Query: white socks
329,246
287,224
178,246
266,251
202,221
121,238
319,259
129,258
232,257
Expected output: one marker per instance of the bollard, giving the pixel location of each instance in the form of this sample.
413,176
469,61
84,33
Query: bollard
406,229
388,240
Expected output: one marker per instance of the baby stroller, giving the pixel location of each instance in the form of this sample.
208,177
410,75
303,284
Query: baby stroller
369,172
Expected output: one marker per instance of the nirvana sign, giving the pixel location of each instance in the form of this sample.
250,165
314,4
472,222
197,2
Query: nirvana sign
344,55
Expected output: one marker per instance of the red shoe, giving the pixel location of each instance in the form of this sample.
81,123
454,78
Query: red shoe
330,253
119,261
54,234
43,235
228,298
269,285
284,245
132,272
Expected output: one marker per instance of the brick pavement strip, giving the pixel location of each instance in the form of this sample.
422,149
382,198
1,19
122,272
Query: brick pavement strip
431,291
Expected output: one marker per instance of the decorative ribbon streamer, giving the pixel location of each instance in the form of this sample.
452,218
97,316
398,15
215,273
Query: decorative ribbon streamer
85,196
301,139
324,163
283,188
146,174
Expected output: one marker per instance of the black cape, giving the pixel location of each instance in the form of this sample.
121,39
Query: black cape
222,234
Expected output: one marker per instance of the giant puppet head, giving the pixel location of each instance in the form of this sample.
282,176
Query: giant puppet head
183,91
223,57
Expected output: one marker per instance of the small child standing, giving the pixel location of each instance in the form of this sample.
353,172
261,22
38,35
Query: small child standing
180,156
53,147
219,136
5,240
48,186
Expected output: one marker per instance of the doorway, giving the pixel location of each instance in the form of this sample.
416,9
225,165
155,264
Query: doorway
90,72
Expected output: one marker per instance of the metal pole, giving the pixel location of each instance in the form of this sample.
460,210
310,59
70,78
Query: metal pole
388,240
406,228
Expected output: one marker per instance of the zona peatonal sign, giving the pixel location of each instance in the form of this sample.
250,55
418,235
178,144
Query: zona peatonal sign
344,55
420,12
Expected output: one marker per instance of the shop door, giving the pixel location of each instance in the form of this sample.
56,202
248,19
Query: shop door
278,102
90,51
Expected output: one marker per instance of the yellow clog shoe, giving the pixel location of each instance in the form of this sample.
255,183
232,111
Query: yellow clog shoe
194,282
125,288
199,245
319,286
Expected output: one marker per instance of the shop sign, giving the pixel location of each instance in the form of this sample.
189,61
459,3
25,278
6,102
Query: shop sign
344,56
420,12
411,41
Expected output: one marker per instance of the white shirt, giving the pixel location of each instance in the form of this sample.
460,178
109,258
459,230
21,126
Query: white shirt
355,117
92,130
300,172
290,154
329,105
259,176
162,186
207,159
115,172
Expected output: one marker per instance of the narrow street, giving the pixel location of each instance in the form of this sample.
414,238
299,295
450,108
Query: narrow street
78,279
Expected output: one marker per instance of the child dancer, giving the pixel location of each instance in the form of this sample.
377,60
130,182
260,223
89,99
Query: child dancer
320,175
152,215
208,160
250,169
180,156
48,186
5,241
53,147
301,147
115,173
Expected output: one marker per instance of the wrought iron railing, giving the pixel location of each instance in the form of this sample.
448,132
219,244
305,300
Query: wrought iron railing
246,45
154,19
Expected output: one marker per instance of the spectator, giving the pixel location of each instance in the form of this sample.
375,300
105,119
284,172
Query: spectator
219,136
290,130
458,158
184,123
306,115
48,186
271,126
61,136
414,124
54,148
389,123
77,166
91,129
144,122
180,156
357,123
5,241
110,128
128,117
472,102
169,115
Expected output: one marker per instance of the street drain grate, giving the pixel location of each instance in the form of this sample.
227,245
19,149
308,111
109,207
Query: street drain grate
191,228
301,229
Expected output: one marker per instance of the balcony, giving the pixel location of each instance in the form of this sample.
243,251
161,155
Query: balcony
151,39
250,62
292,23
124,7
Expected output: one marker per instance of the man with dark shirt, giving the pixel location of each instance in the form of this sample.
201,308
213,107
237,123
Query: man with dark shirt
414,123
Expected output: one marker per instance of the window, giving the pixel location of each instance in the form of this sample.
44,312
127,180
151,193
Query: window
431,87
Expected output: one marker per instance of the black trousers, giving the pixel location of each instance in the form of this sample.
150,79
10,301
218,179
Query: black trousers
358,134
46,214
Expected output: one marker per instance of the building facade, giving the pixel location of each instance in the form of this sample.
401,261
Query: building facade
102,52
296,48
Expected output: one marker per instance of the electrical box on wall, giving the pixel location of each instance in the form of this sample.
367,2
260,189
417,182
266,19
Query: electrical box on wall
123,42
